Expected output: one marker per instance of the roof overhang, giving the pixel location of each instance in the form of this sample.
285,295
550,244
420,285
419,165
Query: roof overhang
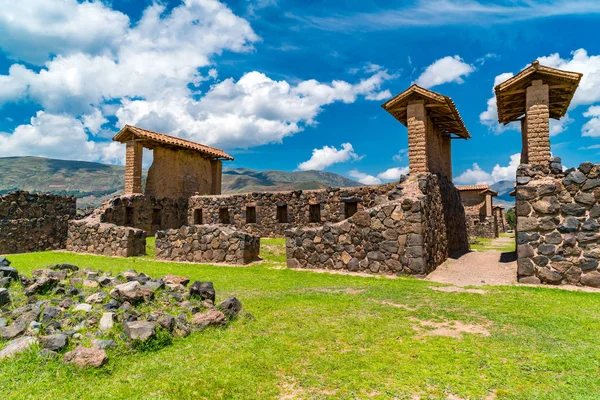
152,139
510,94
440,109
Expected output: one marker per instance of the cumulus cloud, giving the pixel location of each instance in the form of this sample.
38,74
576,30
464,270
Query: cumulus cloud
402,154
327,156
58,136
444,70
253,111
149,74
592,127
490,116
476,175
363,178
393,174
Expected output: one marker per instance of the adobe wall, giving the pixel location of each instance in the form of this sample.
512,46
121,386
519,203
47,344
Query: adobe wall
34,222
180,173
144,212
558,228
90,236
207,244
412,234
331,205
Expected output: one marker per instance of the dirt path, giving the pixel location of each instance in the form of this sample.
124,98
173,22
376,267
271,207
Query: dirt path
478,268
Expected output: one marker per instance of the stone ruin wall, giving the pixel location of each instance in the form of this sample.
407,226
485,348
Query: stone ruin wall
331,202
144,212
34,222
91,236
410,234
207,244
558,229
481,227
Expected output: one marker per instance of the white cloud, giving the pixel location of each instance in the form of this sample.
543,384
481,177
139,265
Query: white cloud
327,156
559,126
444,70
253,111
363,178
450,12
32,30
592,127
58,136
393,174
490,116
94,121
476,175
402,154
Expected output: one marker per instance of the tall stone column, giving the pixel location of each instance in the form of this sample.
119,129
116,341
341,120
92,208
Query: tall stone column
133,168
417,137
537,123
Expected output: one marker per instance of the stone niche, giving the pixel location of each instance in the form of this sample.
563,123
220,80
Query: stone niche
410,235
558,224
34,222
207,244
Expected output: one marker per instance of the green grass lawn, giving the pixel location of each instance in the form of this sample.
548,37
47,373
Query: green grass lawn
484,244
317,335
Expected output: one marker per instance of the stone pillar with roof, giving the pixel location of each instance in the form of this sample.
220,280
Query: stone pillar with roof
533,96
432,119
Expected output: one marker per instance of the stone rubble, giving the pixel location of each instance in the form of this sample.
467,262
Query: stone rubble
55,309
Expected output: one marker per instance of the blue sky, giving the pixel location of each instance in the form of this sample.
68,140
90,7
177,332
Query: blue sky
285,84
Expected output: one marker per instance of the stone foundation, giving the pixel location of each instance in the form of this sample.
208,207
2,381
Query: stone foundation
90,236
410,235
558,231
270,214
34,222
207,244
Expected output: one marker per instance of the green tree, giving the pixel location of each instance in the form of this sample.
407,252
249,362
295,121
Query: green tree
511,218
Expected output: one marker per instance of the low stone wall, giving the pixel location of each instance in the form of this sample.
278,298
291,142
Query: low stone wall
411,235
558,229
34,222
481,227
144,212
261,213
90,236
207,244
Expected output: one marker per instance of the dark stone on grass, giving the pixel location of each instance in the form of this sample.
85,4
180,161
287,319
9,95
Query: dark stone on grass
203,290
231,306
13,330
64,267
111,305
4,297
104,344
167,322
4,261
49,314
9,272
54,342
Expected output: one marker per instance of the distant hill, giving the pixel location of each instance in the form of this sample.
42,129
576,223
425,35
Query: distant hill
92,183
504,188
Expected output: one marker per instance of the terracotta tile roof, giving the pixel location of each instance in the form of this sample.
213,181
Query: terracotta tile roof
441,109
473,187
510,94
128,131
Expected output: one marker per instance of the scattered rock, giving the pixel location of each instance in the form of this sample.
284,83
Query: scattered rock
212,317
86,357
130,291
203,290
104,344
231,306
177,280
140,330
4,297
83,307
54,342
107,321
17,346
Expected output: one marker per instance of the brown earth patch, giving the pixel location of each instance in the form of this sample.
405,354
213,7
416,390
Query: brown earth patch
392,304
457,289
453,329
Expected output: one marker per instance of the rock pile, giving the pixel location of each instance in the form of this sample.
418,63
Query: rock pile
87,311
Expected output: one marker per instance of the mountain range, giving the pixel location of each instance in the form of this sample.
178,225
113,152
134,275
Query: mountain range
92,182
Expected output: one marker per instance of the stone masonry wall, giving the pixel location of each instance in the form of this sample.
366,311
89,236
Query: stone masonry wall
207,244
558,229
34,222
409,235
90,236
481,227
144,212
296,206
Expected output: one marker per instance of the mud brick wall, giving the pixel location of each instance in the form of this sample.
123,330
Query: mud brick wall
332,204
34,222
410,235
90,236
207,244
558,229
144,212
